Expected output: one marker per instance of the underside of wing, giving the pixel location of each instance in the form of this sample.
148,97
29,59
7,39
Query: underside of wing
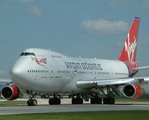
131,86
93,83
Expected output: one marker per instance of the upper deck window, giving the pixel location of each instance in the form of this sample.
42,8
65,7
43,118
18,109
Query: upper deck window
27,54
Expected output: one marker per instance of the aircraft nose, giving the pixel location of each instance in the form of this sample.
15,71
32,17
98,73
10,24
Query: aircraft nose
15,73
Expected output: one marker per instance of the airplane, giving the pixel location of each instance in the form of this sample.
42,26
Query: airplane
45,71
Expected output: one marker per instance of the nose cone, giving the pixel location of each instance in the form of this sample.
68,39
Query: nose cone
15,73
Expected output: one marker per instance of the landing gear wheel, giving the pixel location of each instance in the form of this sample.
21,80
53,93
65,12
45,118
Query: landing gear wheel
105,100
93,101
80,101
29,102
109,100
77,100
54,101
32,102
96,100
74,101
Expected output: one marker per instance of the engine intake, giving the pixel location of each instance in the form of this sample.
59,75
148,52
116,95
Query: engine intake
132,91
10,92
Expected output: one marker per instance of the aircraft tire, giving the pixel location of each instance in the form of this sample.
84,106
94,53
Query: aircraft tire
93,101
74,101
96,100
80,101
109,100
105,100
77,101
54,101
32,102
29,102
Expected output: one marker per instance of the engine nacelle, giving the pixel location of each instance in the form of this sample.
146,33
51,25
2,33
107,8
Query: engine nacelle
10,92
132,91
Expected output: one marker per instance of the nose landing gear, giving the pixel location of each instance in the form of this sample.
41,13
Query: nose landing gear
31,101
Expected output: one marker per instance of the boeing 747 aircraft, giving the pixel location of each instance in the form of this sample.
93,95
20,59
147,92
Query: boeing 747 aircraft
54,74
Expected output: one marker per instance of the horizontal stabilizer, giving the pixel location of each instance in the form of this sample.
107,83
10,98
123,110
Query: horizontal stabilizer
141,68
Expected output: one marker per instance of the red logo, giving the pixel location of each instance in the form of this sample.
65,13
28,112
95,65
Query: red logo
40,61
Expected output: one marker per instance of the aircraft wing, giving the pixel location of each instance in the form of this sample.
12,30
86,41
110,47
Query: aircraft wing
87,84
5,81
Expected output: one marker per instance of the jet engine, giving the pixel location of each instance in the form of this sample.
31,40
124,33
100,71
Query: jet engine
132,91
10,92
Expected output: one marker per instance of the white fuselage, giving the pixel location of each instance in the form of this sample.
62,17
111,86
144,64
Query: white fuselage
50,72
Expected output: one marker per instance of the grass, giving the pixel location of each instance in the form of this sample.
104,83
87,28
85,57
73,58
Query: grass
12,103
100,115
143,98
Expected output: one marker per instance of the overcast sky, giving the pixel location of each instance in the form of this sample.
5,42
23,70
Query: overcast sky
90,28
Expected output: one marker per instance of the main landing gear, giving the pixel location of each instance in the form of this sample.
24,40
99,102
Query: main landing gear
77,100
96,100
107,100
55,100
109,97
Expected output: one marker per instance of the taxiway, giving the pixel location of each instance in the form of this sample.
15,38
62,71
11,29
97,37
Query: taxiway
23,109
43,107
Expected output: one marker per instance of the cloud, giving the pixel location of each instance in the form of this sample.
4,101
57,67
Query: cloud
119,44
5,7
102,26
35,11
3,38
145,5
114,3
3,72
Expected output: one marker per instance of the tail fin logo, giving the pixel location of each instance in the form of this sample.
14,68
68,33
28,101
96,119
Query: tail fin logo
130,47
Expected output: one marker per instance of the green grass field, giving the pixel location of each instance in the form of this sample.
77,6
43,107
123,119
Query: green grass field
101,115
12,103
143,98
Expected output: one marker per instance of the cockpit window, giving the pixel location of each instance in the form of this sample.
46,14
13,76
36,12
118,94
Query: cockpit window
27,54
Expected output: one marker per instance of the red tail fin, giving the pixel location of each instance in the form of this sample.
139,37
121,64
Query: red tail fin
128,54
130,47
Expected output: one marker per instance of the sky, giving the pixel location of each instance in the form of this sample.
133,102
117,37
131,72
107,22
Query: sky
90,28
